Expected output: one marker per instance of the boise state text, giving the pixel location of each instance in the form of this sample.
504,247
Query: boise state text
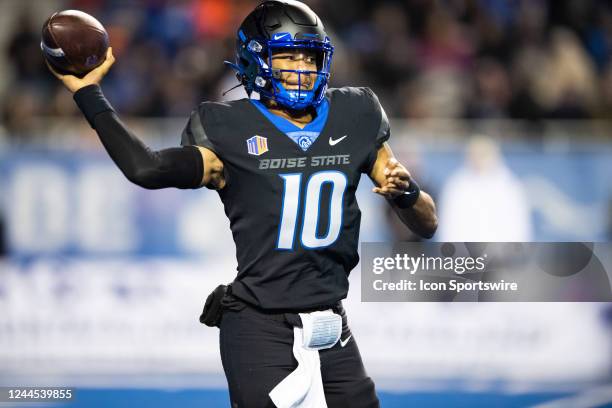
299,162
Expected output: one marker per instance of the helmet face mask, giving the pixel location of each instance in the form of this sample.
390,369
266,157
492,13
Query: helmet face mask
256,45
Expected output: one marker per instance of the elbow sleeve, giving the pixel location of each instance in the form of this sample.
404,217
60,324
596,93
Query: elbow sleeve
180,167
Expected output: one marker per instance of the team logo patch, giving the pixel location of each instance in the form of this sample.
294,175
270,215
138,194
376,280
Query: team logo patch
257,145
304,142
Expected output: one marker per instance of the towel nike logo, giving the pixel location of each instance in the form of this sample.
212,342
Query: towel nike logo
343,342
333,142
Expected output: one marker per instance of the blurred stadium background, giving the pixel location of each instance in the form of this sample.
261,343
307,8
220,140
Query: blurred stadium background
501,108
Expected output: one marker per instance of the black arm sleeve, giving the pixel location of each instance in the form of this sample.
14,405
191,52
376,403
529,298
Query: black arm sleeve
181,167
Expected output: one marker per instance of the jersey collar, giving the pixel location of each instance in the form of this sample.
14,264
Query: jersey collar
303,137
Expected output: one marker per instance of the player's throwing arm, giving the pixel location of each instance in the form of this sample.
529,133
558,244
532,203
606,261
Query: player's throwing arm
181,167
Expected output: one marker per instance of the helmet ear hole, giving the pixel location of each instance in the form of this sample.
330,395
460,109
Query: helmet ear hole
244,62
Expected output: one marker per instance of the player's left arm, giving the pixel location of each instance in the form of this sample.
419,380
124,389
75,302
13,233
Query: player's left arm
392,180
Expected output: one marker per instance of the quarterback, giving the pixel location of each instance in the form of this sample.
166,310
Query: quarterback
286,167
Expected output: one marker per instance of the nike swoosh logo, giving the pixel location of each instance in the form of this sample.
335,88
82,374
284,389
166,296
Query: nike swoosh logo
279,36
333,142
343,342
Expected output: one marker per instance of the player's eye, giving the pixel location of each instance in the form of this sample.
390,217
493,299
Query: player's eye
282,57
308,59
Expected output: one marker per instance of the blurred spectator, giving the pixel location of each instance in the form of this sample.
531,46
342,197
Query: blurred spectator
23,49
483,201
528,59
566,86
29,82
492,90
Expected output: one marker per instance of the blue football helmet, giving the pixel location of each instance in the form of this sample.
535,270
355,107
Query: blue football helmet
275,26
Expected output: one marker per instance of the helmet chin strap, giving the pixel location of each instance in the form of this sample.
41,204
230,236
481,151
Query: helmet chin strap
294,99
294,114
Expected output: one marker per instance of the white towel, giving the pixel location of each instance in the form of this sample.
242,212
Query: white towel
303,388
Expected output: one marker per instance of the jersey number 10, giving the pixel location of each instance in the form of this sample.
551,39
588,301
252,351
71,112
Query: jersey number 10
291,206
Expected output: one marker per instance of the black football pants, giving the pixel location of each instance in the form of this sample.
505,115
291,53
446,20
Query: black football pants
257,354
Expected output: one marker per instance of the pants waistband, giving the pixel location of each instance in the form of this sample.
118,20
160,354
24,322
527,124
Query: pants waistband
232,303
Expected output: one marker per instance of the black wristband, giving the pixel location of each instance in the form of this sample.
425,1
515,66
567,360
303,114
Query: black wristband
409,197
91,102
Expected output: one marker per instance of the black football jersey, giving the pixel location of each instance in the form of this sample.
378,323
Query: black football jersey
293,213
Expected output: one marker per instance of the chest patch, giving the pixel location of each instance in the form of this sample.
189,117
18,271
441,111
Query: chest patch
303,139
257,145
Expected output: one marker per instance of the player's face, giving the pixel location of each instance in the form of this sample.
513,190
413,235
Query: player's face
299,60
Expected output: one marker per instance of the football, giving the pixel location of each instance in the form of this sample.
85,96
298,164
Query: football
73,42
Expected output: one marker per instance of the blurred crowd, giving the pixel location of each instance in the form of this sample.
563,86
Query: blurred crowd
527,59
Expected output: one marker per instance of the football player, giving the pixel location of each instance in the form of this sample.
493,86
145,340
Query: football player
286,168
